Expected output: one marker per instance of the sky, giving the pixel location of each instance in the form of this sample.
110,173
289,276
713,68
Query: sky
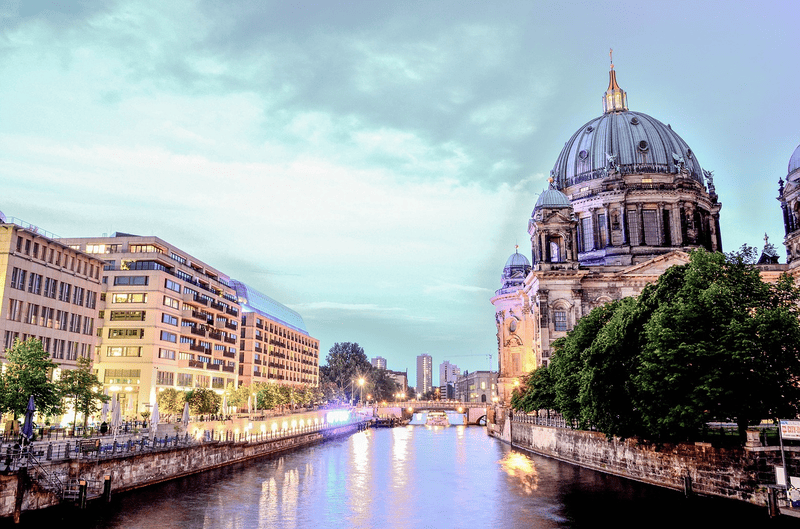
372,164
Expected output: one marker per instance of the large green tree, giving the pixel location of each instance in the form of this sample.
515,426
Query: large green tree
346,364
709,341
171,401
28,371
83,389
203,401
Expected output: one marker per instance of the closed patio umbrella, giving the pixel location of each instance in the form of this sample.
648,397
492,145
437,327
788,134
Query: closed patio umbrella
154,418
27,428
185,418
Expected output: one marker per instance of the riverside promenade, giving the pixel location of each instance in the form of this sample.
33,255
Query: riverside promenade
47,473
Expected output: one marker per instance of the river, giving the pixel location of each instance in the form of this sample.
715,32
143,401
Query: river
408,477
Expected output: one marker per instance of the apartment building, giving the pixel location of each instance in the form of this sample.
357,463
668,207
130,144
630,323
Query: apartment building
167,320
49,291
275,345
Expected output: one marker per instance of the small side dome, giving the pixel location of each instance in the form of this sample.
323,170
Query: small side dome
794,161
518,260
552,199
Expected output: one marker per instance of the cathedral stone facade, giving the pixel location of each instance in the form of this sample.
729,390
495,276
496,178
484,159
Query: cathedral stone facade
627,199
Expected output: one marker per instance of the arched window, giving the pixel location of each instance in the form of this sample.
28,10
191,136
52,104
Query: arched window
555,251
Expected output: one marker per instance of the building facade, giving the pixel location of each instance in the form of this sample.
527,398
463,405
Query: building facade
378,362
275,345
478,386
424,374
401,378
49,291
167,320
448,373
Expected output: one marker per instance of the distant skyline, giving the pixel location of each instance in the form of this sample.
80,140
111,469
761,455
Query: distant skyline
371,165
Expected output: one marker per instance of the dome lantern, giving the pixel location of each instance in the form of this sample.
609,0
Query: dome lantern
615,99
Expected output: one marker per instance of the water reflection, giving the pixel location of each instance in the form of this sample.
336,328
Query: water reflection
410,477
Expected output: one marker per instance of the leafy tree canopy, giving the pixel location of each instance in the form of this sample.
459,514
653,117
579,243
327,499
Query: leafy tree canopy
28,371
83,389
709,341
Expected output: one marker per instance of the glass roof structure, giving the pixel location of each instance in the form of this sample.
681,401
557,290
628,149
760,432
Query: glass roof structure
252,300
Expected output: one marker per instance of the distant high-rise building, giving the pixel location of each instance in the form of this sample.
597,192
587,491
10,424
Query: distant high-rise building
424,374
448,373
379,362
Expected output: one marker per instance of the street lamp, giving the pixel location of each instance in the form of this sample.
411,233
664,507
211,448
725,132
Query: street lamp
361,393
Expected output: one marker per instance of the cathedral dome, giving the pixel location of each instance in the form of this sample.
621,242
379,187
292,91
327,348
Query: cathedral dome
630,142
514,272
794,161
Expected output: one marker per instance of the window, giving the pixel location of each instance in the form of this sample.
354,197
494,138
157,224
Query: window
167,354
165,378
183,275
633,228
127,315
50,286
88,325
18,278
129,298
95,248
650,219
47,317
171,302
61,320
64,291
77,296
201,381
33,314
168,337
122,376
586,234
217,383
145,248
91,299
180,259
184,379
172,285
35,284
126,333
169,319
124,351
131,280
601,230
560,320
75,323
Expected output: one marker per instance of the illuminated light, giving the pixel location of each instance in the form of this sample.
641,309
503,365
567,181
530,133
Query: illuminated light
294,424
115,388
410,409
302,423
274,427
285,425
128,388
263,428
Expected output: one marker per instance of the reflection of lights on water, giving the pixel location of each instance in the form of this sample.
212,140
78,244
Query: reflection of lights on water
521,468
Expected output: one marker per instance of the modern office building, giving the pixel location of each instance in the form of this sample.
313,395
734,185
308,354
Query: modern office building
448,373
478,386
168,320
49,291
379,362
424,374
275,345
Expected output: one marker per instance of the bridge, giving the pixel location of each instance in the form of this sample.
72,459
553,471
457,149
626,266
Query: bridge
474,412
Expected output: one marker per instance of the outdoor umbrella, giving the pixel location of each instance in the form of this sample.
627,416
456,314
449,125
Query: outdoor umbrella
27,428
116,416
185,418
154,418
104,412
249,404
224,405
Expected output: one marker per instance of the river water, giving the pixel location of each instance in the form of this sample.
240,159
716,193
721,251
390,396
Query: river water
408,477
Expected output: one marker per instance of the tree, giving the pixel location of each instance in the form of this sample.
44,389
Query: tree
382,386
171,401
202,401
346,363
82,388
537,391
28,370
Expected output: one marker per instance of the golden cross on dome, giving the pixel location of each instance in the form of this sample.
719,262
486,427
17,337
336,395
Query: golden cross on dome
610,57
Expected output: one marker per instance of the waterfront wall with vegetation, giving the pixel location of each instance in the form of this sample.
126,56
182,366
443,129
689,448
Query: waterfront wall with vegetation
738,473
131,470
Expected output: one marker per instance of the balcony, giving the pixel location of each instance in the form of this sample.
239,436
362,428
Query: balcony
231,325
213,367
257,362
232,312
198,349
215,335
197,364
231,341
198,331
228,369
218,306
226,354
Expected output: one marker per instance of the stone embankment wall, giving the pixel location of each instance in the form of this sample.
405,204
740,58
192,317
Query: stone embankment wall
131,471
741,473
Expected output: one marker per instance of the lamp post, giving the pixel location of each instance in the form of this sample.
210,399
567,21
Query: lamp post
361,392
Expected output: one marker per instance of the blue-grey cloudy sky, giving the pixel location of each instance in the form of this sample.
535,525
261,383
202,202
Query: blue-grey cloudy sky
371,164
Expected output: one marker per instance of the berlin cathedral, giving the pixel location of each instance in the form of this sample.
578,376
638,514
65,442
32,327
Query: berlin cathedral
627,199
